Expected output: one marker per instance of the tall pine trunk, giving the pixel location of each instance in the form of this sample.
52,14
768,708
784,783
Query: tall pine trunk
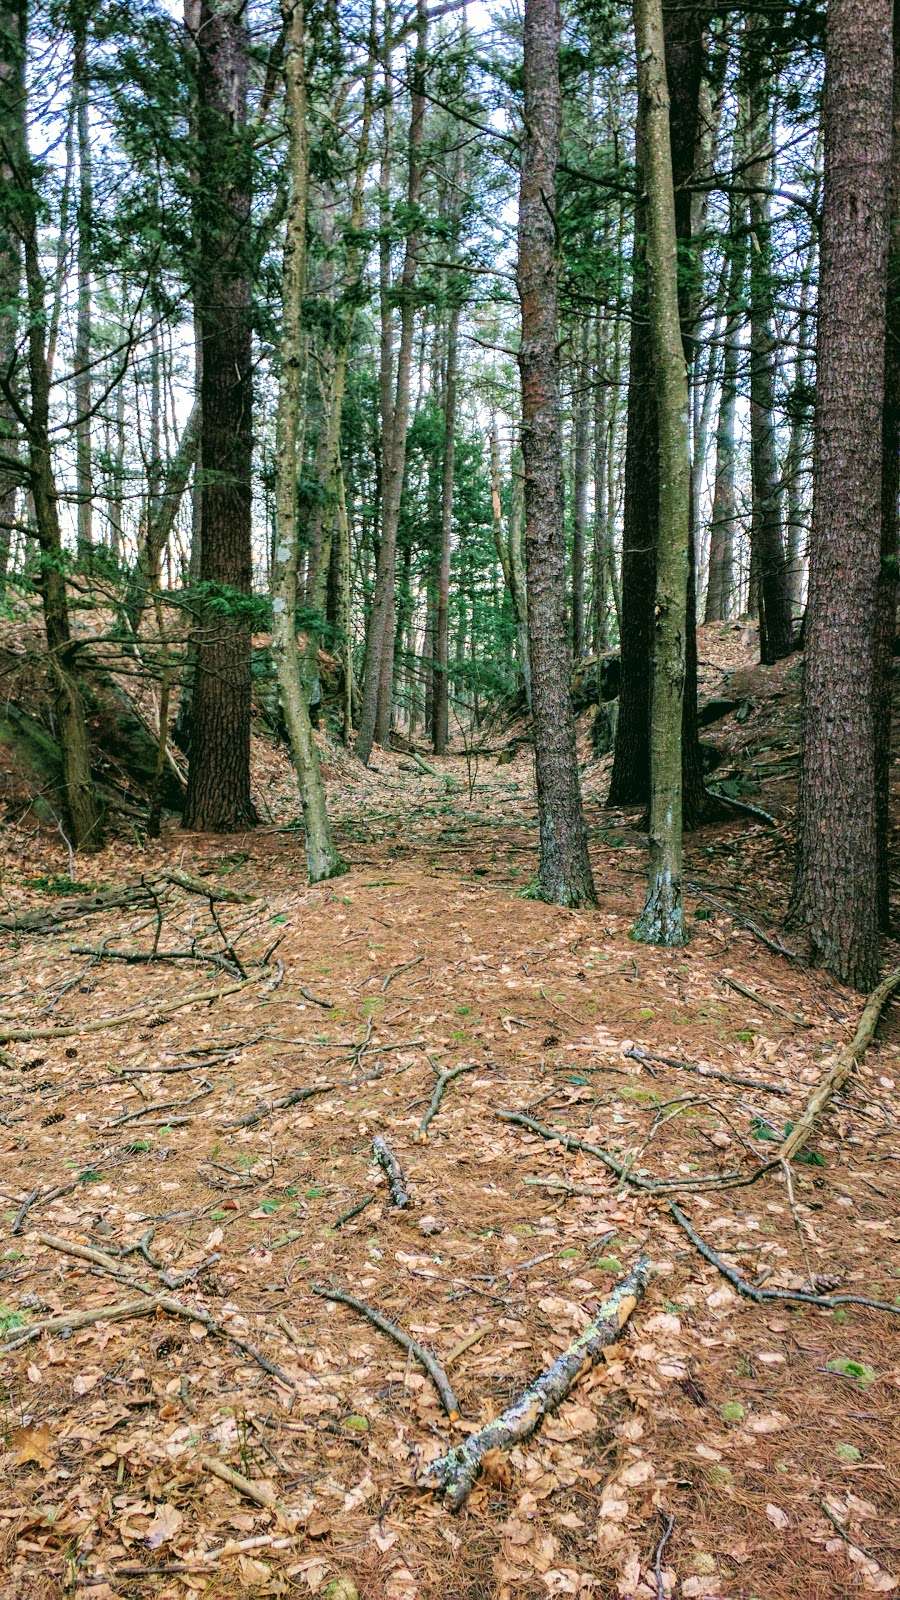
83,333
218,794
886,626
836,885
662,919
723,522
581,406
564,870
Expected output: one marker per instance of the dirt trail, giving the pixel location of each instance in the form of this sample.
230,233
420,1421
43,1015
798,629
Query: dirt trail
765,1432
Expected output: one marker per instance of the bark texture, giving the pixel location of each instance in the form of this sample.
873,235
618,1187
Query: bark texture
564,871
836,896
218,795
662,919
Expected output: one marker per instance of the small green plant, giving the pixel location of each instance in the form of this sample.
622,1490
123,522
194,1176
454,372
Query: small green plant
860,1370
59,883
10,1320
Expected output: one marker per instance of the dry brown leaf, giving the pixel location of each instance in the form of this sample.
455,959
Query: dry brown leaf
33,1444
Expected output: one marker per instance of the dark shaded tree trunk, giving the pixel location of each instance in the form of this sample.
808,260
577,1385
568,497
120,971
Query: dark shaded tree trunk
581,478
630,783
218,795
441,711
83,333
776,632
723,521
12,80
886,623
836,884
564,870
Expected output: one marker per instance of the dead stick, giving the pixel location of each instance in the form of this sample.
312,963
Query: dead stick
389,1164
293,1099
195,998
751,1292
439,1090
70,1320
841,1066
433,1367
638,1054
728,1180
260,1493
453,1475
354,1211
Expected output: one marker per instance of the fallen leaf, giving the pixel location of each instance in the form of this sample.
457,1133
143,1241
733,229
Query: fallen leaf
164,1527
32,1444
777,1517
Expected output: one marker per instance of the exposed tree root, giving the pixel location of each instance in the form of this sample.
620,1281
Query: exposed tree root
384,1155
738,1082
727,1180
433,1367
453,1475
439,1090
751,1292
841,1066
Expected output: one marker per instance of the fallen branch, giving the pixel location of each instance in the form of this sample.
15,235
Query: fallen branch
69,1321
39,921
742,805
433,1367
727,1180
439,1091
354,1211
384,1155
841,1067
262,1494
453,1475
760,1000
196,997
165,1302
737,916
396,971
735,1079
209,958
295,1098
751,1292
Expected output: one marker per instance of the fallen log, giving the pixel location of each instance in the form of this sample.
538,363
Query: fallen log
841,1066
454,1475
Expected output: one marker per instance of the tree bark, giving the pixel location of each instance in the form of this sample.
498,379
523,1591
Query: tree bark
218,794
836,885
12,86
886,623
322,859
83,333
776,633
161,520
581,406
379,670
441,710
723,521
564,871
662,919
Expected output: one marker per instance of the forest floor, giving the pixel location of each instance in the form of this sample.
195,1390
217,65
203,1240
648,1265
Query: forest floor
763,1436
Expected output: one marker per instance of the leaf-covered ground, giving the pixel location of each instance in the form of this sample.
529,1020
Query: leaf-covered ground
763,1436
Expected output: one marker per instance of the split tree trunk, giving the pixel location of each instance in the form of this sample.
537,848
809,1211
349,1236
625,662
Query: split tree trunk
218,795
662,919
564,871
836,885
322,859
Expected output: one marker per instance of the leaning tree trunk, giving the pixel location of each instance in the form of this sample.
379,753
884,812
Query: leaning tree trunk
836,885
218,794
564,871
322,859
662,919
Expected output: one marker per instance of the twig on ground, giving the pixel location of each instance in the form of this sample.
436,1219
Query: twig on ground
841,1066
155,1009
751,1292
466,1344
453,1475
262,1494
637,1053
295,1098
396,971
69,1321
314,999
439,1090
727,1180
728,910
743,805
669,1522
210,958
760,1000
432,1366
161,1105
384,1155
354,1211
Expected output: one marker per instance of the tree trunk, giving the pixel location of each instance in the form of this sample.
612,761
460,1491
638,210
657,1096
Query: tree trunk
886,625
600,556
442,617
723,521
836,885
564,871
12,84
798,442
662,919
218,794
161,520
82,383
322,859
581,405
766,534
379,671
